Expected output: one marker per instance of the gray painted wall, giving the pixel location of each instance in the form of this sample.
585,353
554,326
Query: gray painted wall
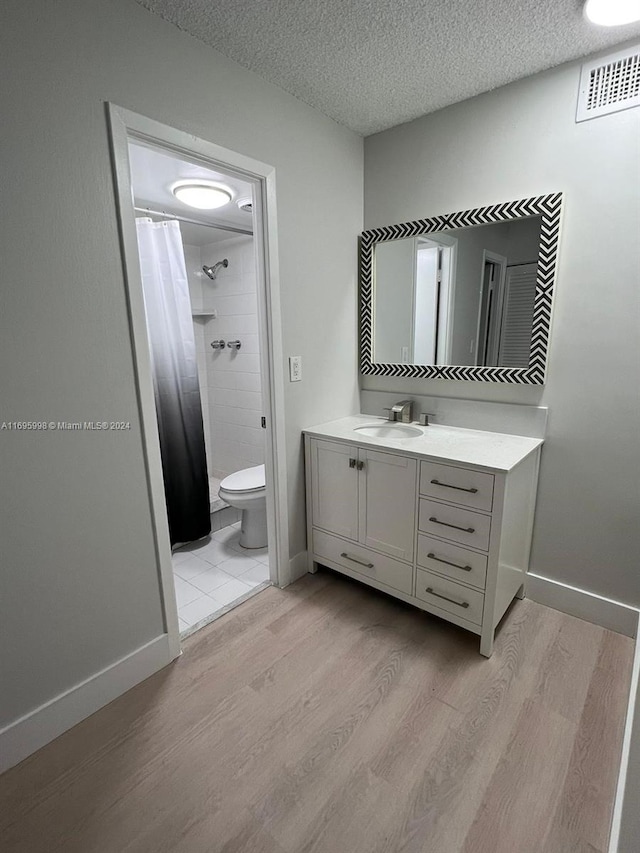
80,585
521,141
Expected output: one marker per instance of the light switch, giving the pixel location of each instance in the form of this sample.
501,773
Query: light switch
295,368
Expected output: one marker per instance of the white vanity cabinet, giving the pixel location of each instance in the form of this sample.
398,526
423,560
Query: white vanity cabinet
447,535
351,489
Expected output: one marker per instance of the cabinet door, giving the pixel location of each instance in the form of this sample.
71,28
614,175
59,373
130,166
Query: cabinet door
387,503
334,488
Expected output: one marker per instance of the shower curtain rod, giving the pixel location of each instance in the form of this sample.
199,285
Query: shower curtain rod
237,229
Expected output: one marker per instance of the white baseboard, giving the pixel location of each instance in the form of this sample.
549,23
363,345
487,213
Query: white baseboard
27,734
585,605
298,566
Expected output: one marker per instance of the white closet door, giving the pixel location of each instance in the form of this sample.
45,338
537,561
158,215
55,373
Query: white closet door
517,316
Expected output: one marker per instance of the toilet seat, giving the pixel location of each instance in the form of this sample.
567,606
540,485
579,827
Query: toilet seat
247,480
246,491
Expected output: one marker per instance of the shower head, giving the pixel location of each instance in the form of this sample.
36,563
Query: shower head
213,271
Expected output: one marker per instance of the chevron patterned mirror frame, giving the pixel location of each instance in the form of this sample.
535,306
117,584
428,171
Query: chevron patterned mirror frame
548,207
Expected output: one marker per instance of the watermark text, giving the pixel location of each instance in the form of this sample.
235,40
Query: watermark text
64,426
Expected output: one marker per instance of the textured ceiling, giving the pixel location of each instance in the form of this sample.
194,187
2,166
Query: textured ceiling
372,64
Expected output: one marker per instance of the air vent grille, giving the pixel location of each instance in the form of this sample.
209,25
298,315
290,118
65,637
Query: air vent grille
609,84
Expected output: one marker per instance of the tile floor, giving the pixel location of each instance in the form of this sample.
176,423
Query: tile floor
213,573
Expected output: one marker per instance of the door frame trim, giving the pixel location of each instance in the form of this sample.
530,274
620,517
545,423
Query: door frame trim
123,125
501,260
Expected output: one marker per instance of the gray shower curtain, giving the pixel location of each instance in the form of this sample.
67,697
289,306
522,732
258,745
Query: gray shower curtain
175,379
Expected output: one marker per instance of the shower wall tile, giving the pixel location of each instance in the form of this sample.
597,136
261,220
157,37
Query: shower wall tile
234,326
246,363
219,362
222,380
226,397
248,259
239,285
250,345
194,275
216,359
232,415
193,264
231,285
249,435
243,303
249,400
247,417
226,432
248,382
233,399
254,453
233,377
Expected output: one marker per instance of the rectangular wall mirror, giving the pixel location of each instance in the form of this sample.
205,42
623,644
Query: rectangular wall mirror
466,295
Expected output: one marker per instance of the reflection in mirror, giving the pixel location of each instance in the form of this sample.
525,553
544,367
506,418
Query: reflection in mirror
462,296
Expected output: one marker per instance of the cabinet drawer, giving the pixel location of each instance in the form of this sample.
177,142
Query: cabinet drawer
457,485
450,596
452,522
457,563
358,559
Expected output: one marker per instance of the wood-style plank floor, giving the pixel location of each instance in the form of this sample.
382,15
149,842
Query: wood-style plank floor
330,718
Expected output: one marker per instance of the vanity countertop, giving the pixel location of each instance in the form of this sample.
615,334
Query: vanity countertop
493,450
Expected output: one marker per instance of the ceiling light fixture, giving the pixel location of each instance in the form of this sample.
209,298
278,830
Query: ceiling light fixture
203,195
612,13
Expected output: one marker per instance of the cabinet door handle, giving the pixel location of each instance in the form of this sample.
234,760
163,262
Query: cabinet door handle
455,526
429,589
352,463
449,563
356,560
449,486
360,466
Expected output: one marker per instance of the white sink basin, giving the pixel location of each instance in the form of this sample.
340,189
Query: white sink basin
389,430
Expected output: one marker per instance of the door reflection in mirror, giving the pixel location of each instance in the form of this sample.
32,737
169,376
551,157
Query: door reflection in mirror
494,268
463,296
433,314
413,299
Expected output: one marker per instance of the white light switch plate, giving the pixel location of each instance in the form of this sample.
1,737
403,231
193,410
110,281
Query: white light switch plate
295,368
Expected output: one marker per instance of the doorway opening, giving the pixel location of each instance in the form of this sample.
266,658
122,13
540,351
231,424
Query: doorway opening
204,315
494,268
434,299
505,312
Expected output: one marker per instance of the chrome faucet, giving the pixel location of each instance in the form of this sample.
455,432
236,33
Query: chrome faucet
402,412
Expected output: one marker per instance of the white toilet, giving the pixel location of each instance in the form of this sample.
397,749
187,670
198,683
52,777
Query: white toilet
246,490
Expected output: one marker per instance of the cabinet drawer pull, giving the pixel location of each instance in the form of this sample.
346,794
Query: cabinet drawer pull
449,563
356,560
446,598
456,526
449,486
